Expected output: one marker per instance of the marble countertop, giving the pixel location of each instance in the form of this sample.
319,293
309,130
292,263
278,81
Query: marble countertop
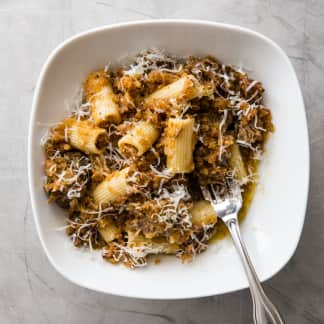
31,291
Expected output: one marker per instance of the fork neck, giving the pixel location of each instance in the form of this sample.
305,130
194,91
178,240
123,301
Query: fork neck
230,218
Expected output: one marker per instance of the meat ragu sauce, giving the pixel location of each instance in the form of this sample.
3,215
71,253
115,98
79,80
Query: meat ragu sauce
129,161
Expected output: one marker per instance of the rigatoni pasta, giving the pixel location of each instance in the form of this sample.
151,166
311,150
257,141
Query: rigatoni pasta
180,91
154,245
237,162
179,144
113,188
203,213
99,93
108,230
85,136
129,163
139,139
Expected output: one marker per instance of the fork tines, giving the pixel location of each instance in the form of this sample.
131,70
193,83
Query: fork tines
216,192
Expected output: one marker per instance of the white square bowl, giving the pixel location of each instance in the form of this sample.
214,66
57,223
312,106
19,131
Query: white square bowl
274,223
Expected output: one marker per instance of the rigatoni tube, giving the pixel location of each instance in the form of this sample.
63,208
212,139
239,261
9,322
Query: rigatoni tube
114,188
100,95
151,246
237,163
139,139
108,230
182,90
179,144
202,213
85,136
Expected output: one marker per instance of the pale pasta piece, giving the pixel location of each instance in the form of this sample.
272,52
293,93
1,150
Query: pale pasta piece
152,246
139,139
164,247
108,230
237,163
179,144
113,189
84,136
100,95
182,90
202,213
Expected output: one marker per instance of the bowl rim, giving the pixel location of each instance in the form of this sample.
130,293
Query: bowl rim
32,121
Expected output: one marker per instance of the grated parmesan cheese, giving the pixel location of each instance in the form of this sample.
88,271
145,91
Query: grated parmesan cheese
251,85
165,173
220,136
76,107
246,144
153,59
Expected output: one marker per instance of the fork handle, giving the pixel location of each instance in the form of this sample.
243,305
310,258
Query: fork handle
264,312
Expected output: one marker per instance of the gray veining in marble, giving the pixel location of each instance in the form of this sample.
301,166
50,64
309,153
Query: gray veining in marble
31,291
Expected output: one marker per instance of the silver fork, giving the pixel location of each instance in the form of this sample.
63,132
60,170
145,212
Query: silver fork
227,208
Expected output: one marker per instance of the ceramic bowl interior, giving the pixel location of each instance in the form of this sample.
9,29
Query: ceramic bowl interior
274,222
